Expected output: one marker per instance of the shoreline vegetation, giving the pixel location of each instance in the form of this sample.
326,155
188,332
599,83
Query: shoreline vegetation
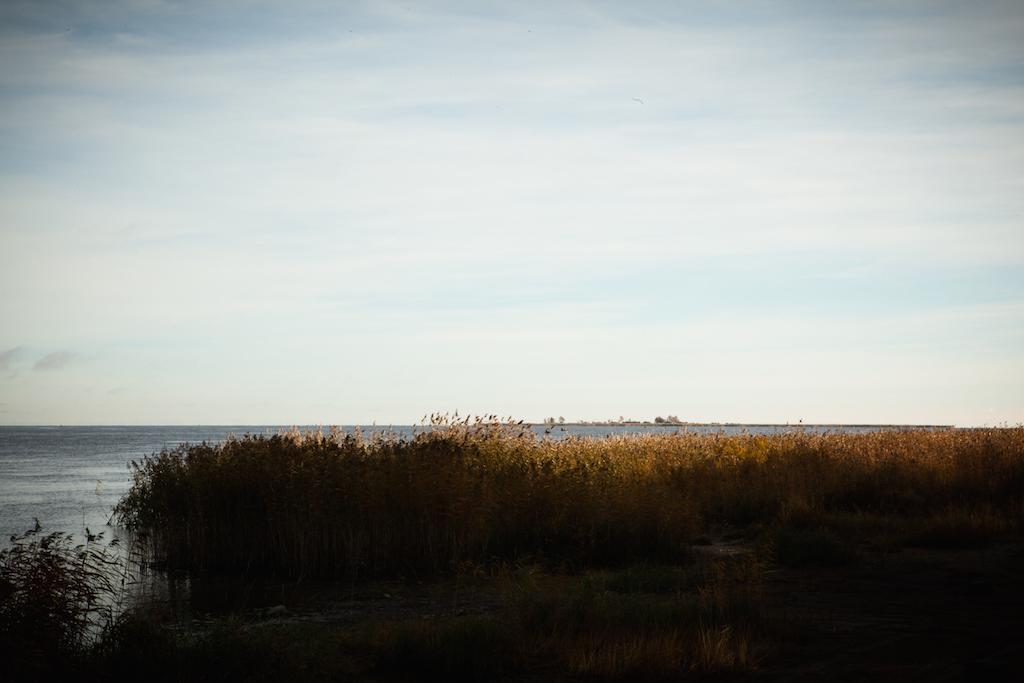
675,421
334,504
777,425
501,554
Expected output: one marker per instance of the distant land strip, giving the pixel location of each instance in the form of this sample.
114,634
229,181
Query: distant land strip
646,423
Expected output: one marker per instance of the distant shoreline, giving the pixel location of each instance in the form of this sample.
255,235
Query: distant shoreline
815,425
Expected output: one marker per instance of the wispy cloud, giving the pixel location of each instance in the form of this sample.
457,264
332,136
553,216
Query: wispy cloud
8,360
7,357
58,360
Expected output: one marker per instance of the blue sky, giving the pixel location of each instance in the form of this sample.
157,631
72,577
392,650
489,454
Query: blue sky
314,212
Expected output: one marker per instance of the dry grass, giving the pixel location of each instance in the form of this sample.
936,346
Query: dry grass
475,492
658,624
661,628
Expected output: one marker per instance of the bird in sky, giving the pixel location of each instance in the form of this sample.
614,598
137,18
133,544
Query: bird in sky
637,99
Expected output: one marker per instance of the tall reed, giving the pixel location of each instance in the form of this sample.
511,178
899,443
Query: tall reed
57,600
336,504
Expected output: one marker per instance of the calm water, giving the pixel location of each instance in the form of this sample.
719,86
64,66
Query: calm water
71,477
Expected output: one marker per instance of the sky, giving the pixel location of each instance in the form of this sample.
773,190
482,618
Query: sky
347,213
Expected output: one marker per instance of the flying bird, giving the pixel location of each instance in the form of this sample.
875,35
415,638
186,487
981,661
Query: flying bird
637,99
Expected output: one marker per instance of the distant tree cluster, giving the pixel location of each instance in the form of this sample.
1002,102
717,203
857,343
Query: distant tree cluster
623,420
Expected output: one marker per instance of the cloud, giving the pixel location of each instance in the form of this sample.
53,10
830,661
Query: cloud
8,358
58,360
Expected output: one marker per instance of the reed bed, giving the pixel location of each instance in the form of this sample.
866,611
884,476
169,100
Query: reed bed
473,492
